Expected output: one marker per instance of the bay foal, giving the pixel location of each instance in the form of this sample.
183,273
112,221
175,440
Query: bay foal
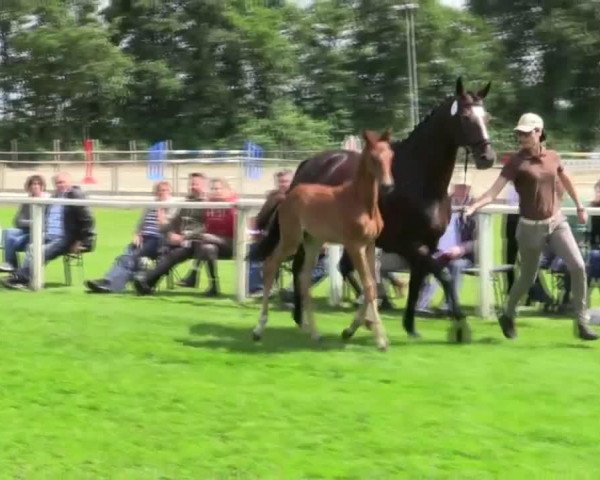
347,214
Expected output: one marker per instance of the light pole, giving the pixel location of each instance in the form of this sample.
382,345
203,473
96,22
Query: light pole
411,55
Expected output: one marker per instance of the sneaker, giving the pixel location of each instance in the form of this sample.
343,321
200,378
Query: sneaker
584,332
507,324
185,283
98,286
6,267
15,283
211,292
189,281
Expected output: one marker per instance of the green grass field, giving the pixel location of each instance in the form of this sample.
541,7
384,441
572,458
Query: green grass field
172,387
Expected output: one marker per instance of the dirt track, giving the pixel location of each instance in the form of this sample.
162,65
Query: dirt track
132,178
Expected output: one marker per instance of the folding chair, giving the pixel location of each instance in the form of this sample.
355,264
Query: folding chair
75,259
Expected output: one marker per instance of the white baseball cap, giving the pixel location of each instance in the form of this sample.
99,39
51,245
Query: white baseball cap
529,122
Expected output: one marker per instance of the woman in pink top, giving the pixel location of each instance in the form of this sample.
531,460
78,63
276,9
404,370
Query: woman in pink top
217,240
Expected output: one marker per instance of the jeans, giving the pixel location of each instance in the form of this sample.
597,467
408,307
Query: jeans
53,247
128,264
455,267
15,240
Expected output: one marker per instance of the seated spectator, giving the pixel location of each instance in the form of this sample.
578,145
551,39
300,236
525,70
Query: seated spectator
594,238
388,265
217,241
69,229
16,239
182,233
147,242
455,250
283,179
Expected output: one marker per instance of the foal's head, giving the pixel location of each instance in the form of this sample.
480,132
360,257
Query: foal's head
470,117
377,156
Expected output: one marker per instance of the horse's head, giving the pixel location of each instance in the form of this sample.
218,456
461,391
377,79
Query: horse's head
468,113
378,157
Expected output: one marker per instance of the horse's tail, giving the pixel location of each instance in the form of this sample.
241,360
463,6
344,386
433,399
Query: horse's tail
265,247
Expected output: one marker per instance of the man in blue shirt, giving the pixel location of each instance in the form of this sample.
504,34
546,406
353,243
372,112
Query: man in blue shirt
68,229
455,249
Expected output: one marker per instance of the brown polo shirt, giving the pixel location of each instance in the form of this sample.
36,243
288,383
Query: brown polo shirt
535,178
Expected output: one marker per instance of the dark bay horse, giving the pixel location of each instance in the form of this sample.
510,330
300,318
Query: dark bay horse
417,211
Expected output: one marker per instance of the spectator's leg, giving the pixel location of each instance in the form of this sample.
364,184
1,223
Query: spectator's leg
11,237
255,283
174,257
122,270
52,248
428,289
456,268
511,246
209,252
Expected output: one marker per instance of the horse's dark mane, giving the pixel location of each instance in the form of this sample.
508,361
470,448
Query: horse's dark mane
414,134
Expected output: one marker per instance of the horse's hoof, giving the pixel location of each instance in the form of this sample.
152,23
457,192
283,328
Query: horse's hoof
383,345
256,336
413,334
316,338
347,334
460,333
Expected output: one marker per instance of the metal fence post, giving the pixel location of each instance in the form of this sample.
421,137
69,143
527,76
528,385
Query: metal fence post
485,254
37,247
334,253
240,252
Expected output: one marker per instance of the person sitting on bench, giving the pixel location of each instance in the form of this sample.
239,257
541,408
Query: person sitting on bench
217,240
182,232
69,229
147,242
16,239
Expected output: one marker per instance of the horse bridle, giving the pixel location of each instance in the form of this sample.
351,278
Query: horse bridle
483,143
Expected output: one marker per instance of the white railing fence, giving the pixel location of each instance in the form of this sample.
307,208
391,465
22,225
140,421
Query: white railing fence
245,208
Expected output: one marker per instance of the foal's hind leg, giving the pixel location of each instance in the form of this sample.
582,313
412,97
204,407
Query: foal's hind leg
288,243
270,267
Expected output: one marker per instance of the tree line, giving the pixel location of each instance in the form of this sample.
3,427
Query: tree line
210,74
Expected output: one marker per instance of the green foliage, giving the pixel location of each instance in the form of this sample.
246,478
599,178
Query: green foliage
287,128
205,72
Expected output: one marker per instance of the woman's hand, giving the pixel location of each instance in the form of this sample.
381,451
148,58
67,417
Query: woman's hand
469,211
582,215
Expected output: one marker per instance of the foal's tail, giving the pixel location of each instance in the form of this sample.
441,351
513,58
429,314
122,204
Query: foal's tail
265,247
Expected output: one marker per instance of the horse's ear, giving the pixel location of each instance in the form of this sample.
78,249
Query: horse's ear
460,90
370,137
386,136
484,91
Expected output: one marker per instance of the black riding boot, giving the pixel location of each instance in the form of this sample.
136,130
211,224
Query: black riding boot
213,289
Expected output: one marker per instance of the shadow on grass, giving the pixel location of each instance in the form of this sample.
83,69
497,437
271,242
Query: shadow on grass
283,339
276,339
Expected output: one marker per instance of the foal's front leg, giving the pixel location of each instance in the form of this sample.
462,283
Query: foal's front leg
362,257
